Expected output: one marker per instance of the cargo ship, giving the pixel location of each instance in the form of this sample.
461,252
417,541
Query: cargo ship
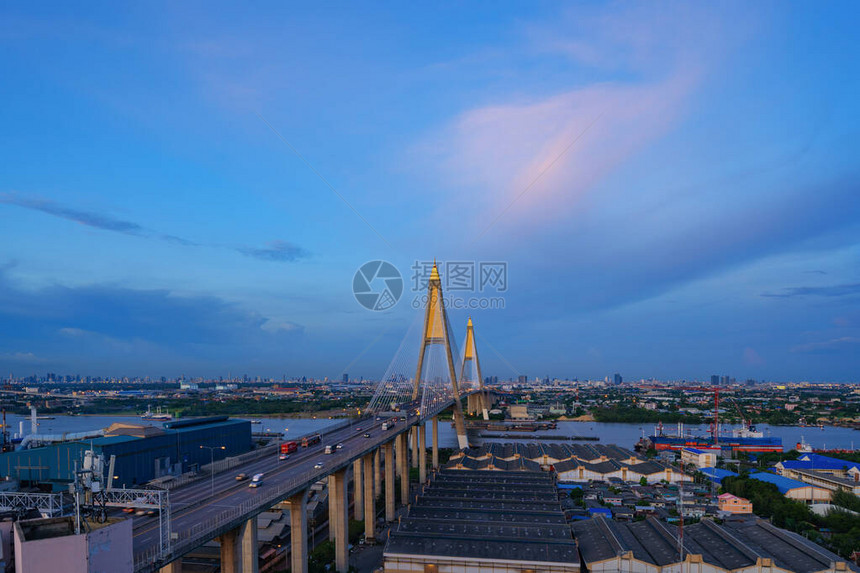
156,416
745,439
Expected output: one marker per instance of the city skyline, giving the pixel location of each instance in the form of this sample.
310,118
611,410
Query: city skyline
191,189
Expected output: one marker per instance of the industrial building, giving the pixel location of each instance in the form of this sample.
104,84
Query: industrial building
793,489
571,462
820,464
748,546
717,474
547,454
825,472
141,453
478,521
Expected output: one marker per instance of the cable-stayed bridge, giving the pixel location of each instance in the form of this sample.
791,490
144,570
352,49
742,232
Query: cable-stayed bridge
426,377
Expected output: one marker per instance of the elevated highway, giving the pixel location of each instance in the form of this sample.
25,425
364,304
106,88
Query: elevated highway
226,509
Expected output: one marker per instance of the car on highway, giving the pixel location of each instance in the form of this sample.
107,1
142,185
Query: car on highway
242,477
256,481
128,510
318,466
366,435
359,429
340,446
283,457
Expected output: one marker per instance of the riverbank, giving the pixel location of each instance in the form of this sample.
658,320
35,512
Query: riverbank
299,423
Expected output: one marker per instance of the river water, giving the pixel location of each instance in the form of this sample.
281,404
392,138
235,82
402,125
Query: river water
625,435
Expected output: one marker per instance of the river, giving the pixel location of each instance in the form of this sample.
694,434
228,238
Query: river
625,435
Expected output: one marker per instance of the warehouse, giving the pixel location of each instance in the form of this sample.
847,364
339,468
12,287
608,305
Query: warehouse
748,546
571,462
142,453
793,489
480,521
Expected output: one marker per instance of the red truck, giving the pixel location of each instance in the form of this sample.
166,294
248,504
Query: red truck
289,447
311,440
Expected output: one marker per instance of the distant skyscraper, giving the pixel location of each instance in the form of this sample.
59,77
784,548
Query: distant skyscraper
715,380
522,379
617,378
345,378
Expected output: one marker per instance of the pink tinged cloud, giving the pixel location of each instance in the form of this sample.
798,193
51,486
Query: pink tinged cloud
499,151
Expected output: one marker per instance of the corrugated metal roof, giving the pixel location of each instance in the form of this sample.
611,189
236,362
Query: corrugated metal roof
783,484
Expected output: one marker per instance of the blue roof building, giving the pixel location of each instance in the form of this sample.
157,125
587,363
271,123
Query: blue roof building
794,489
716,474
817,462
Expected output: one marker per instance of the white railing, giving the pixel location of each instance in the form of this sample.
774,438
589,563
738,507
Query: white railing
203,531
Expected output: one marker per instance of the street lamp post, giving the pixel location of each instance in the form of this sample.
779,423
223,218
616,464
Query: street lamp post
212,465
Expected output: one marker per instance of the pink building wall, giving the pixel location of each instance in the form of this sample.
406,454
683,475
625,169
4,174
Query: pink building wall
104,550
110,548
66,554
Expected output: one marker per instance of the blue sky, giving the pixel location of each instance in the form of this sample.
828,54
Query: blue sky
673,187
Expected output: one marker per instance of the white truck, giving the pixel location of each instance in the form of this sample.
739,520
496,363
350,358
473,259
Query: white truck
329,449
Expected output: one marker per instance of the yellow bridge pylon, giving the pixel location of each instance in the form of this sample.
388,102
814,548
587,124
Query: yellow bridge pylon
470,358
435,331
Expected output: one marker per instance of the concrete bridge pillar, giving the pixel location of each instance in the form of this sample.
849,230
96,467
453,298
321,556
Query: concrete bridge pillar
172,567
338,527
485,404
332,508
357,491
298,532
435,441
229,551
404,469
389,481
422,453
398,447
369,501
250,556
414,432
377,474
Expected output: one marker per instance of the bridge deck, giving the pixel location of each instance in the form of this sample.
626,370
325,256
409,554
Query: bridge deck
197,516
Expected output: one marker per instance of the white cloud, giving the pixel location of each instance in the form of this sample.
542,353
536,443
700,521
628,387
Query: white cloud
23,357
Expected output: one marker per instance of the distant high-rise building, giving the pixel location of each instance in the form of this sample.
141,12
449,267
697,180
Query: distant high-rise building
617,378
522,379
715,380
725,380
345,378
